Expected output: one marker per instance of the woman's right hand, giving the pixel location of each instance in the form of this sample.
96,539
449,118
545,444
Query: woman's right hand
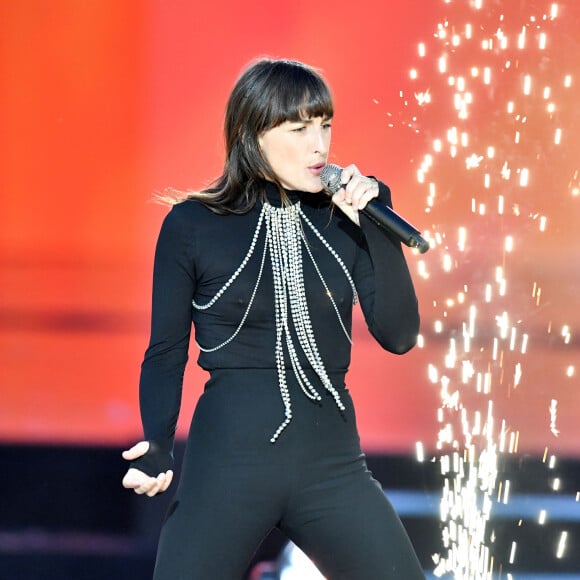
140,482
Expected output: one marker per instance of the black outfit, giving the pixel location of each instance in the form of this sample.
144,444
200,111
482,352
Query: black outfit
236,485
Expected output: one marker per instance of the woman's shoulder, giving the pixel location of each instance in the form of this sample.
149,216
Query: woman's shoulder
188,213
192,218
189,208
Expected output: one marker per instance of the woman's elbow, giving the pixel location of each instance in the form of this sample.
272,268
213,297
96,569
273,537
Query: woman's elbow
400,338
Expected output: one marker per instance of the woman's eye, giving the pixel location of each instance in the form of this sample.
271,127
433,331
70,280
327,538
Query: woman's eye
298,129
327,125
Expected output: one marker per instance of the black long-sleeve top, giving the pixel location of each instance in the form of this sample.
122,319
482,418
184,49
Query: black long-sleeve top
198,251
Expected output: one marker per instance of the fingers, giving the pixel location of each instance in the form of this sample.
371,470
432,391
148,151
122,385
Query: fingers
358,189
138,450
143,484
356,192
140,482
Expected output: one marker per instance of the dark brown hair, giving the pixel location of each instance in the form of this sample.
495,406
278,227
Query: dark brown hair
268,93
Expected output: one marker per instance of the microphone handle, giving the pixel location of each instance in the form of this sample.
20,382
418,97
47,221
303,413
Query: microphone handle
389,220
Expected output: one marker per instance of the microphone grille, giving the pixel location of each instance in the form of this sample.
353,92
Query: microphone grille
330,177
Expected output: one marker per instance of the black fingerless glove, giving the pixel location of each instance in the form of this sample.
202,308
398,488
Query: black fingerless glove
157,460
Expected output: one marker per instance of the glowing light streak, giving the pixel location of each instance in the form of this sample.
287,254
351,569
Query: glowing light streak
487,75
522,38
420,452
500,204
516,442
513,336
433,374
451,356
527,85
505,171
542,517
542,223
512,557
472,317
524,345
517,374
506,492
502,287
422,269
553,420
562,545
542,41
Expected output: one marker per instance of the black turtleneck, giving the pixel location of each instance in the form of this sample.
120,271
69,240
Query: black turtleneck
198,251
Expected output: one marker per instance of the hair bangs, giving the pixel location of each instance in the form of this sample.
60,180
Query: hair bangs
301,94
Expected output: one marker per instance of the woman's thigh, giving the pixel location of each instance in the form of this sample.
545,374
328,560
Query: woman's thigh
351,531
215,524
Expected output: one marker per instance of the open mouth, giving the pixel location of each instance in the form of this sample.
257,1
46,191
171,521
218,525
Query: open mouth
317,169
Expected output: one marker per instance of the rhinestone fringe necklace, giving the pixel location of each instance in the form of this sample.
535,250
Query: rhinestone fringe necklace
283,241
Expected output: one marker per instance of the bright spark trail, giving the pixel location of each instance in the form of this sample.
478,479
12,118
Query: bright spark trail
493,94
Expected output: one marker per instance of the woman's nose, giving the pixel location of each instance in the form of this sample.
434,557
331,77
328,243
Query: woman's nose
321,141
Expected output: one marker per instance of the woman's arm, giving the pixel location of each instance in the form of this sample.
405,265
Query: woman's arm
381,275
163,367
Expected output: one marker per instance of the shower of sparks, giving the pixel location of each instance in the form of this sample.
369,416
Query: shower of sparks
485,60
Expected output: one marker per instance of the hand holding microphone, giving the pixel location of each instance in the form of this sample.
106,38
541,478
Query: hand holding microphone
381,214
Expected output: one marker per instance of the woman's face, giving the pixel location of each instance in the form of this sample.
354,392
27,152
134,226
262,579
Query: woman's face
297,151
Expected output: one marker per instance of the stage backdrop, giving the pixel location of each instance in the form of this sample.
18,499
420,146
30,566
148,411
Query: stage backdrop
466,109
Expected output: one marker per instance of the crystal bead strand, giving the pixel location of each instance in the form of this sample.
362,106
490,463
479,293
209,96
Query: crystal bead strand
329,293
333,253
239,269
250,302
281,318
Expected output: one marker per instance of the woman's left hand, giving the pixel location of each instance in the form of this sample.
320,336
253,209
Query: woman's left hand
356,192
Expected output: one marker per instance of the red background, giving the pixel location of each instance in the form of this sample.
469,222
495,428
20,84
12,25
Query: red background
103,103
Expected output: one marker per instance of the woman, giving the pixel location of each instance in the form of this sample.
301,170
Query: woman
268,270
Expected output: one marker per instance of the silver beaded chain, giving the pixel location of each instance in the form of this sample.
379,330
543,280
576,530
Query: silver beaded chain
284,239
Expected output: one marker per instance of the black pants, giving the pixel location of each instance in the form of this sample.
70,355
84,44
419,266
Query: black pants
312,484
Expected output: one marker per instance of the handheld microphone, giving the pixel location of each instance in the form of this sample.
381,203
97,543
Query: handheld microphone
382,215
